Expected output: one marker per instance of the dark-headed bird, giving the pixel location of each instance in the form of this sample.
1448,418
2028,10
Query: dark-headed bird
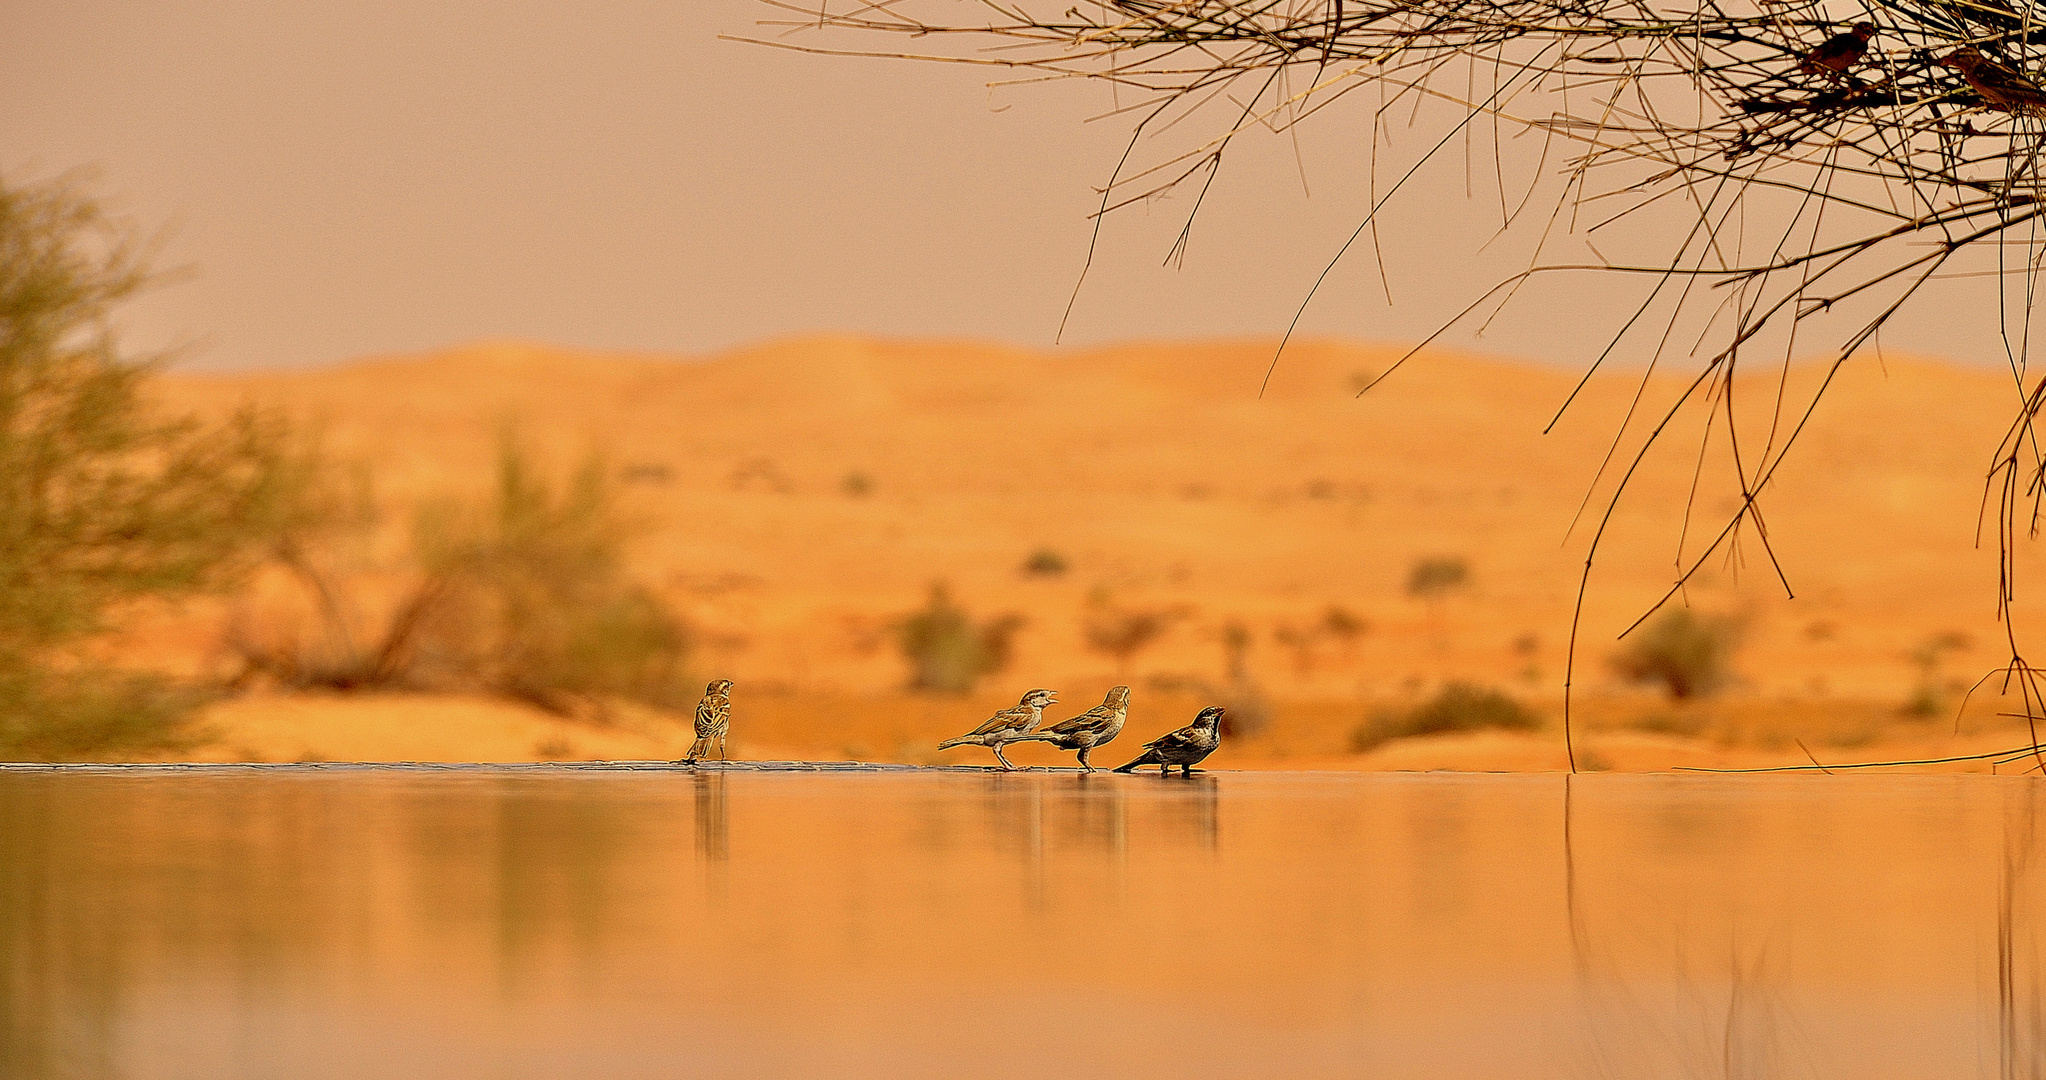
713,719
1007,726
1999,87
1838,53
1185,747
1090,729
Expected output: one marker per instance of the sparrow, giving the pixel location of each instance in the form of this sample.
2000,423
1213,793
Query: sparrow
1838,53
1185,747
713,719
1007,726
2000,87
1090,729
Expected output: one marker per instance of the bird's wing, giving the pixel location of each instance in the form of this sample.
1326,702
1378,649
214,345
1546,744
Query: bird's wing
1184,738
1094,719
1013,717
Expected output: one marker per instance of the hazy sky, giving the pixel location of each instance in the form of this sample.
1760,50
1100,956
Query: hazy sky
392,175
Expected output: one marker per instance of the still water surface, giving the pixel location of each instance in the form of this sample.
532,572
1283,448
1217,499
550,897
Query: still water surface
623,924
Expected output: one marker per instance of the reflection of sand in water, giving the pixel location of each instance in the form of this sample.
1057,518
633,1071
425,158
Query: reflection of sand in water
738,924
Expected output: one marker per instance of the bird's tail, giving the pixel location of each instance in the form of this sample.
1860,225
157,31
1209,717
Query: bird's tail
1036,736
960,741
1148,757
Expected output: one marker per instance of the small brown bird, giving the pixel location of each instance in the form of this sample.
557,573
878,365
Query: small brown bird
1090,729
1007,726
1838,53
1185,747
713,719
1999,87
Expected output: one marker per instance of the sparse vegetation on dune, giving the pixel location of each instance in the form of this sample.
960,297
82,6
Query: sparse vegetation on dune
1457,707
1686,653
947,649
523,593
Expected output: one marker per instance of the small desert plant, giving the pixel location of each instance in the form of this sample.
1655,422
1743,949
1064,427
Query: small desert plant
522,593
1458,707
1304,640
1045,562
1433,578
1929,696
1123,632
526,594
1687,653
1685,722
947,650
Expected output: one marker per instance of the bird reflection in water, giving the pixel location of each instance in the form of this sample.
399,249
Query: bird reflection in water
713,824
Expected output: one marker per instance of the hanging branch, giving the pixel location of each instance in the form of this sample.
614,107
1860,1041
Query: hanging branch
1857,148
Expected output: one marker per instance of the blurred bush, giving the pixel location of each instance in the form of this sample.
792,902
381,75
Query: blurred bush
1457,707
1123,632
1044,562
1435,577
521,593
1688,654
103,499
1930,692
947,650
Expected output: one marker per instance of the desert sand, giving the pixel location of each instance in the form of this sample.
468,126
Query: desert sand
798,497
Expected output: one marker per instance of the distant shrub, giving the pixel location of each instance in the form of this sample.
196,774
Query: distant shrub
522,593
1045,562
645,472
1123,632
857,484
1929,695
1458,707
947,650
1689,724
1438,576
527,593
1343,624
1688,654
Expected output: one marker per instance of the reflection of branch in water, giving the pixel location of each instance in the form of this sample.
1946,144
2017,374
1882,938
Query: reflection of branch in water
2021,1009
1631,1021
713,826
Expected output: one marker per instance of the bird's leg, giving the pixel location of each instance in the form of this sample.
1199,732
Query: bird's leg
1186,770
997,748
1083,758
722,756
1164,769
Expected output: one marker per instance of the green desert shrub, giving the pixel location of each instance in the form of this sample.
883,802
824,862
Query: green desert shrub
104,499
1437,576
526,595
947,650
1686,653
1045,562
1457,707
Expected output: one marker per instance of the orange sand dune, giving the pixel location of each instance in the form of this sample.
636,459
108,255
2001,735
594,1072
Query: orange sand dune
799,495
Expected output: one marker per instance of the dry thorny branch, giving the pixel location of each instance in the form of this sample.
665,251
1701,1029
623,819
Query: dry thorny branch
1830,158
